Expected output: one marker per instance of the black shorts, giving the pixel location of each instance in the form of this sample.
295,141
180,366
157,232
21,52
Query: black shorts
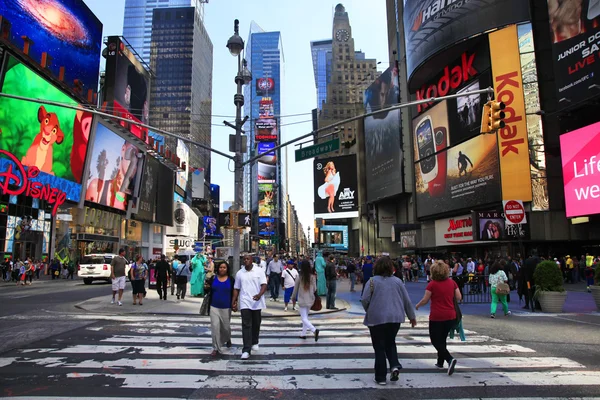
138,286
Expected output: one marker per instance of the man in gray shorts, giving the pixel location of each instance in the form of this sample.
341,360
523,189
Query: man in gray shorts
117,274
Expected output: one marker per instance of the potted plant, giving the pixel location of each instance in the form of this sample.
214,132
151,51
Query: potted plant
549,290
595,288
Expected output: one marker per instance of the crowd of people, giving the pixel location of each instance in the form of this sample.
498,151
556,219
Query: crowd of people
23,272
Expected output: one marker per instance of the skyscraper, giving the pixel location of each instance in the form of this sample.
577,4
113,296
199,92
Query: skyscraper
265,180
182,58
321,58
137,22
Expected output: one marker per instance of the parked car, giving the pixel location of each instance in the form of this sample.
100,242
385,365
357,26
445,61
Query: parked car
96,267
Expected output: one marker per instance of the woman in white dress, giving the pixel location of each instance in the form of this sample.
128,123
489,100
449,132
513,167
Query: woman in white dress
331,185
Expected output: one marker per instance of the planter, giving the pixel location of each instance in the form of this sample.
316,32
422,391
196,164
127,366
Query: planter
552,302
596,294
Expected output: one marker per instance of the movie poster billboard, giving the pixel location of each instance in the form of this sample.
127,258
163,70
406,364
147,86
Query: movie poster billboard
383,139
266,200
114,165
490,226
335,187
148,189
433,25
53,139
66,29
575,32
465,175
183,153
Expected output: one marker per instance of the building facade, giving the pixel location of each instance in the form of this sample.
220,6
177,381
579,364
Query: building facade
137,22
321,51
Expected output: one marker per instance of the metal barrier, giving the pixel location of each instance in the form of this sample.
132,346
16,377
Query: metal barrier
474,288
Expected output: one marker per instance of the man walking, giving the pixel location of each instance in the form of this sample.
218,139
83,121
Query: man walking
162,273
250,286
117,274
175,267
274,271
351,269
331,276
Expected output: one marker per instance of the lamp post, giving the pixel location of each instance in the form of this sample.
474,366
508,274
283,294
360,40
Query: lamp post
235,44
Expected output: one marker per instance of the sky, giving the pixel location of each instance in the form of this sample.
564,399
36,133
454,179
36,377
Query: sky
299,24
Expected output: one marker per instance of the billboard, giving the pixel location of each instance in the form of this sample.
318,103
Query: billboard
383,139
66,29
183,153
269,157
454,231
210,226
462,176
266,226
575,28
491,226
114,165
580,153
335,236
512,139
53,139
127,83
267,164
164,196
198,183
266,130
335,187
266,108
266,200
264,86
433,25
147,199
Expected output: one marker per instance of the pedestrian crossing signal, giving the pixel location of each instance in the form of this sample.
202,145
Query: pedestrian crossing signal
493,116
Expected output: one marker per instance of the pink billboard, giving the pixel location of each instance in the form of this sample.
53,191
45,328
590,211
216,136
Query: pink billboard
580,152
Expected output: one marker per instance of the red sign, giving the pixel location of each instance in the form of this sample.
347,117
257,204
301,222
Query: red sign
24,185
514,212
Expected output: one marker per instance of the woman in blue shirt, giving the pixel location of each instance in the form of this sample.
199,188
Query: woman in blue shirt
220,291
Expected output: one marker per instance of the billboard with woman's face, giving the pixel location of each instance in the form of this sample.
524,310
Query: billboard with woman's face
335,187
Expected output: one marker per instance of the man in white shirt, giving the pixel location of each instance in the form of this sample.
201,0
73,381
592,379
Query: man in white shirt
470,266
274,271
250,286
289,281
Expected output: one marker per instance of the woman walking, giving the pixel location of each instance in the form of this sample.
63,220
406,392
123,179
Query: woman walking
442,315
387,304
219,290
497,276
137,275
305,289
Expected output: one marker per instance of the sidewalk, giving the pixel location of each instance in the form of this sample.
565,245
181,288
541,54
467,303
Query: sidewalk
189,306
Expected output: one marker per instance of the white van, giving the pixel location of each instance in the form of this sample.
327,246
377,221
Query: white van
94,267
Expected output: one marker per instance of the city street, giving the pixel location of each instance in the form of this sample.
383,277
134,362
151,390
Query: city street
60,351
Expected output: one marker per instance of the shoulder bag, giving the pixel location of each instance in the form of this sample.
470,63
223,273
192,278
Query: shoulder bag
502,288
317,305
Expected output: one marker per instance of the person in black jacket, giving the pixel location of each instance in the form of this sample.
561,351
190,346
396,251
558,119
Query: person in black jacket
526,276
331,277
162,274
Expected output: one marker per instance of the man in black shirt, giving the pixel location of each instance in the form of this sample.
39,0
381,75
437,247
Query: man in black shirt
161,274
351,269
331,277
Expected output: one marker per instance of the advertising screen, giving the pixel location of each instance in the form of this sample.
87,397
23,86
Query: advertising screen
433,25
269,157
266,200
463,176
267,164
147,199
183,153
490,226
53,139
66,29
264,86
382,138
575,29
266,226
580,154
266,108
335,236
335,187
164,196
210,226
114,165
126,81
266,130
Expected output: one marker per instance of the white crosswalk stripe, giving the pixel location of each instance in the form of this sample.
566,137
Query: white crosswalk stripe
130,354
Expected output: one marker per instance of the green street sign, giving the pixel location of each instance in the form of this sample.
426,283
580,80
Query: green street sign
317,150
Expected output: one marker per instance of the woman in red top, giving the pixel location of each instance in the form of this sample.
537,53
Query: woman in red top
442,315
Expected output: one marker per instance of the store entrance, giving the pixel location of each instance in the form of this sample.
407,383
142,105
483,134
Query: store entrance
32,248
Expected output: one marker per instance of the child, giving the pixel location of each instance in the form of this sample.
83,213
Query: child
589,277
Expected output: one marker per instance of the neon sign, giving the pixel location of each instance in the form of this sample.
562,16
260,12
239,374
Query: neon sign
24,185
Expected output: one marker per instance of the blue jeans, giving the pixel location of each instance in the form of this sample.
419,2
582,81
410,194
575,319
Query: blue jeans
352,280
331,288
275,281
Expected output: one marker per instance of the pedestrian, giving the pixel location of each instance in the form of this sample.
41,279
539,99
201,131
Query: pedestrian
331,276
497,275
198,275
320,265
29,270
162,272
71,270
289,281
367,271
55,268
351,269
219,290
305,288
442,291
387,304
250,286
274,271
174,267
137,276
117,275
181,279
589,277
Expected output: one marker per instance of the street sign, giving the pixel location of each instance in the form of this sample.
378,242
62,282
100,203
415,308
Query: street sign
225,220
514,212
317,149
244,220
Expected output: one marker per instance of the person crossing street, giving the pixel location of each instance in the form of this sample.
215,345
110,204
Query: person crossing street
274,271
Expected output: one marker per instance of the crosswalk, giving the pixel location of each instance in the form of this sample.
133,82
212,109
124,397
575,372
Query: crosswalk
129,356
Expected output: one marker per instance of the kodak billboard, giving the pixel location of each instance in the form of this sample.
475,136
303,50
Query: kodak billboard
512,139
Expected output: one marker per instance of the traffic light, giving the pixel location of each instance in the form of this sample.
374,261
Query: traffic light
493,116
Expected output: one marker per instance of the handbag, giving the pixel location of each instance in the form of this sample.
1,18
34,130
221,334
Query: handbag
205,307
502,288
317,305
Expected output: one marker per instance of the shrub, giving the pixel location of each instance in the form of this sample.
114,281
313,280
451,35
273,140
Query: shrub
548,277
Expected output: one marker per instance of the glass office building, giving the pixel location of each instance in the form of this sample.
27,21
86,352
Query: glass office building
182,61
321,58
137,22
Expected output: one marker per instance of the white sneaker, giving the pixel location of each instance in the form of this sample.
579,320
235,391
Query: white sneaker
245,355
255,347
120,303
271,299
285,308
112,301
295,308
